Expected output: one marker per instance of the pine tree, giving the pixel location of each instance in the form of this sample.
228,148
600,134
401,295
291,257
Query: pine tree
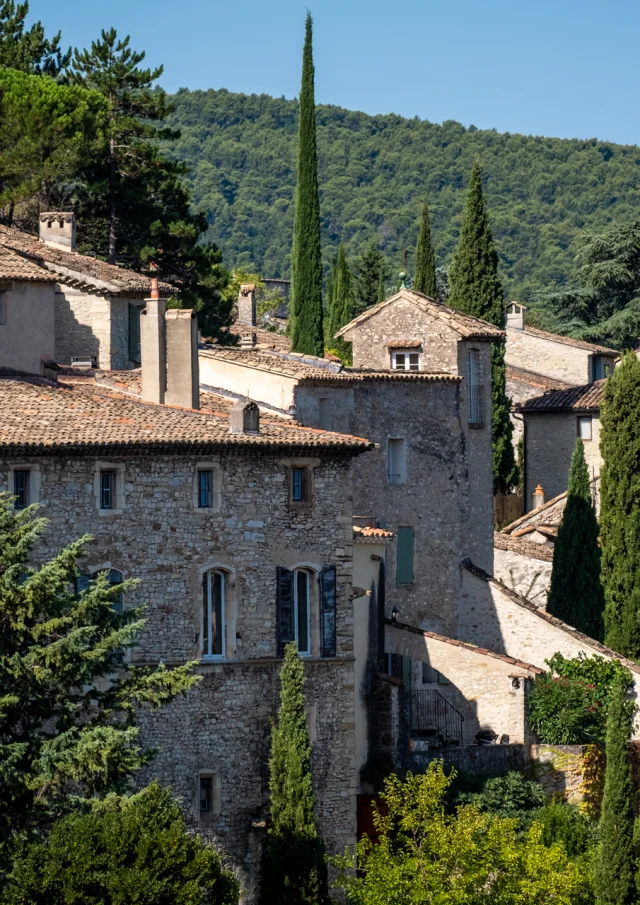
615,859
576,595
341,305
294,869
620,507
67,739
306,262
27,49
371,272
425,279
475,288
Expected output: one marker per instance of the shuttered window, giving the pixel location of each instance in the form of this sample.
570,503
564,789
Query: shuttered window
134,332
285,613
404,556
328,611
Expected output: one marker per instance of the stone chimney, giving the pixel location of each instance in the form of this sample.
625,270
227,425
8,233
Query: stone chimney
515,315
244,418
538,497
153,357
183,376
247,304
58,229
248,341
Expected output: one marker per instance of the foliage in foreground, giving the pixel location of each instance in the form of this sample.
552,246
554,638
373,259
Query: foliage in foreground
67,738
425,855
294,871
507,796
126,850
569,704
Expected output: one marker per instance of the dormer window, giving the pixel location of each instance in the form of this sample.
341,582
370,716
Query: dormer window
405,361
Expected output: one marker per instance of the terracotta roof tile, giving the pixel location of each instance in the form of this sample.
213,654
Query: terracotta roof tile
531,378
371,533
525,548
13,267
113,280
269,339
569,341
584,398
467,326
404,344
78,415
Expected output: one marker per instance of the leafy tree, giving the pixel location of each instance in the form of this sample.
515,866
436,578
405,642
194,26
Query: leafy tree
606,305
66,738
124,850
570,704
27,49
475,288
576,595
341,306
293,869
48,132
620,507
425,855
370,276
507,795
306,263
425,279
614,865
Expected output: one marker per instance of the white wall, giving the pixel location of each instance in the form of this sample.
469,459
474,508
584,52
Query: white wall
261,386
28,332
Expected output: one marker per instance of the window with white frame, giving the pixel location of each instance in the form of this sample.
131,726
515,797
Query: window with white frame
213,613
585,427
302,611
405,361
396,460
109,487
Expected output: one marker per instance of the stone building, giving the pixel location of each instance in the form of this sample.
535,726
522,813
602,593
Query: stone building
552,423
96,306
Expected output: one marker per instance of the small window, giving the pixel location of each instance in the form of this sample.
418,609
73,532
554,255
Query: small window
3,309
302,611
107,489
405,361
21,488
429,674
213,614
396,460
584,428
134,332
404,556
205,489
299,485
206,794
602,367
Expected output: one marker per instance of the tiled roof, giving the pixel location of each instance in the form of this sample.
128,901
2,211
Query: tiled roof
467,326
375,534
473,648
404,344
309,369
13,267
550,513
78,268
552,620
531,378
523,547
585,398
268,339
569,341
548,531
78,416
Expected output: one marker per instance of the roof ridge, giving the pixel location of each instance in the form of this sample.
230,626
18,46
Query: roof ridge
566,340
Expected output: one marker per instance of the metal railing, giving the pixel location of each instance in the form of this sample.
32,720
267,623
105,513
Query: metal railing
431,712
476,404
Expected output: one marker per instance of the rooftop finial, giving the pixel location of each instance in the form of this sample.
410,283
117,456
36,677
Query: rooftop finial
402,275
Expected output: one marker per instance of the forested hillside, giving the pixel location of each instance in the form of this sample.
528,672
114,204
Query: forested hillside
375,172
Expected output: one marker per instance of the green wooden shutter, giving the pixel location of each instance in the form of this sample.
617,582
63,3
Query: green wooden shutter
284,618
404,556
328,611
134,332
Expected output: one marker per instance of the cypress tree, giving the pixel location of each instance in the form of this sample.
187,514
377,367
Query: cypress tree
381,290
475,288
371,272
425,280
615,859
306,263
294,869
576,594
620,507
341,305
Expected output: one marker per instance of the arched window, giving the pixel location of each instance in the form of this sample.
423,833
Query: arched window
213,613
115,578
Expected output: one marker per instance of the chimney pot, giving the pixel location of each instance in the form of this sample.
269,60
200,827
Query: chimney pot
538,497
247,304
248,341
58,229
515,315
244,418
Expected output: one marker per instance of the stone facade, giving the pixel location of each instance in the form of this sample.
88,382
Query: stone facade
159,537
93,327
567,360
26,325
524,567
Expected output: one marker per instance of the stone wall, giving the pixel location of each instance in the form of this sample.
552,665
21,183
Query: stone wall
550,442
93,326
548,357
527,573
163,540
27,329
268,387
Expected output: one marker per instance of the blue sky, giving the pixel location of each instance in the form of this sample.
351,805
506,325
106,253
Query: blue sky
563,68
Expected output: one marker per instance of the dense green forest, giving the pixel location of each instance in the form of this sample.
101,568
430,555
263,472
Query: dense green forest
375,172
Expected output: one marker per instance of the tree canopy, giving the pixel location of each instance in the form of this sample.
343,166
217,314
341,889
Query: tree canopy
28,49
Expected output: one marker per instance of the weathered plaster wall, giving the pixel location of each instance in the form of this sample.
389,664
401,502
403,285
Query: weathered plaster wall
28,332
163,540
92,326
550,441
545,356
262,386
526,575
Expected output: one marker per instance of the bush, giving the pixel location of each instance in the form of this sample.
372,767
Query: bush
564,824
569,705
507,795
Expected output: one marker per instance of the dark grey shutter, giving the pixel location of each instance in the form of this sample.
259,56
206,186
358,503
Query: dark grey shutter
404,556
284,616
328,611
134,332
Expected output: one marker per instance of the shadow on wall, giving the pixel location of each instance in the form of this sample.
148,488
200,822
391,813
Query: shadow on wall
75,338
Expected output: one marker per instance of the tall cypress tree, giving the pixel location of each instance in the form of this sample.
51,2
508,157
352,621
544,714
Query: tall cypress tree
475,288
620,507
576,594
370,275
306,263
425,280
341,305
615,859
293,868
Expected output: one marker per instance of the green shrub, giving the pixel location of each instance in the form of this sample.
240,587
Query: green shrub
507,795
565,824
569,704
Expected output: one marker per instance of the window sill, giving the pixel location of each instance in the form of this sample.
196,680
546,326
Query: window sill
213,658
473,426
107,512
